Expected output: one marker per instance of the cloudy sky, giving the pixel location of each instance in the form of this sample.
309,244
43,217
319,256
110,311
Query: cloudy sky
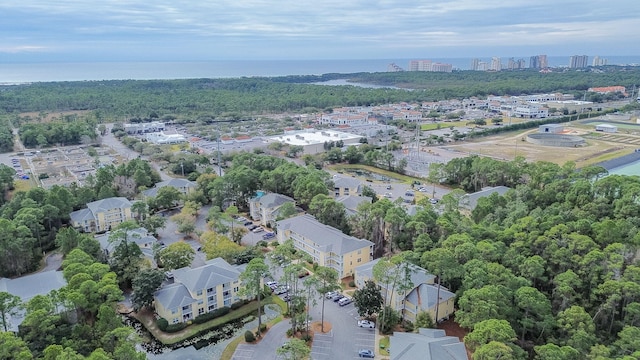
189,30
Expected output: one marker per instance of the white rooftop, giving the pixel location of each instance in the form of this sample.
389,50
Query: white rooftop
313,137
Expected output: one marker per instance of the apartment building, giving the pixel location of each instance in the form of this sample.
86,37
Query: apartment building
343,186
198,291
327,245
265,207
420,298
102,215
183,185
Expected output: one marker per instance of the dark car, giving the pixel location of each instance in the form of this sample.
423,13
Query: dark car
338,297
247,223
268,235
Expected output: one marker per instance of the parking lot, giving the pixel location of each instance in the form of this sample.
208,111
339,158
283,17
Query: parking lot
343,341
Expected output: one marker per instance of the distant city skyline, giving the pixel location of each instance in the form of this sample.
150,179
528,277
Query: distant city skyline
165,30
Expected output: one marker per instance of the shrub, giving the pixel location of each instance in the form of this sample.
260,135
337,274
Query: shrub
162,324
306,337
211,315
262,243
408,326
263,328
352,283
238,304
175,327
289,332
249,337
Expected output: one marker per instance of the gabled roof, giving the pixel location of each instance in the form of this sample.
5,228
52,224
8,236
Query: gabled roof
470,201
82,215
326,238
28,286
215,272
418,275
272,200
140,236
108,204
346,182
427,344
176,183
424,296
174,296
351,202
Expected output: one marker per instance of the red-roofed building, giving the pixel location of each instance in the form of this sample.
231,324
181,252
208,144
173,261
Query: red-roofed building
609,89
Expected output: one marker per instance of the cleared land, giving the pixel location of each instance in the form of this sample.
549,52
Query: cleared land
509,145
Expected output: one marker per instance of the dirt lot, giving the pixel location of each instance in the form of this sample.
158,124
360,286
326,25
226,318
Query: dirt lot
508,146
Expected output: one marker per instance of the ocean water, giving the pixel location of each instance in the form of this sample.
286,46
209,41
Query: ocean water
59,71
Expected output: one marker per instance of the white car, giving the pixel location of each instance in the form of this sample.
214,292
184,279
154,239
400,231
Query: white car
433,201
257,230
366,324
345,301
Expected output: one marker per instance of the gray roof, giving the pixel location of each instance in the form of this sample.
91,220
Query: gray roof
272,200
327,238
140,236
427,344
81,215
108,204
346,182
174,296
425,295
418,274
470,201
187,280
351,202
28,286
176,183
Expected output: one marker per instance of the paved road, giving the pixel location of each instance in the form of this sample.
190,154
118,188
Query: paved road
111,141
266,348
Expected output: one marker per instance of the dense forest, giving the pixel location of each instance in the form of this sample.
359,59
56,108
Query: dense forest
117,99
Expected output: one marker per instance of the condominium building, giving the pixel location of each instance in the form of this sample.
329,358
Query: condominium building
198,291
578,61
102,215
327,245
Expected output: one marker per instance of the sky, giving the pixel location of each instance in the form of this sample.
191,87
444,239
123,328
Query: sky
186,30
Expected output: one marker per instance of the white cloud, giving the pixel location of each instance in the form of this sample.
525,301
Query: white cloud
338,28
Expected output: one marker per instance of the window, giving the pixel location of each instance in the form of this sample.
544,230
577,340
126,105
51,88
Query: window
211,299
212,307
359,260
200,311
199,293
186,308
210,290
200,302
174,321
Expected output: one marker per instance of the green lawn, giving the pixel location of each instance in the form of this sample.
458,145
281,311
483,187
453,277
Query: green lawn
384,346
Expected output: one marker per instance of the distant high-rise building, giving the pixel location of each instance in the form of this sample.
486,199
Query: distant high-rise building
428,65
538,62
420,65
474,64
394,68
483,66
578,61
598,61
495,64
533,62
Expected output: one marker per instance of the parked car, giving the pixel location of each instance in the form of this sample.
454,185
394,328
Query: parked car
388,187
345,301
409,193
268,235
330,294
338,297
258,230
252,227
241,218
366,353
271,283
247,223
280,290
366,324
433,201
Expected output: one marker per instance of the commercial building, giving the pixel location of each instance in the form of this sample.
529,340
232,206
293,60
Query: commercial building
313,141
142,128
162,138
198,291
327,245
102,215
608,128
